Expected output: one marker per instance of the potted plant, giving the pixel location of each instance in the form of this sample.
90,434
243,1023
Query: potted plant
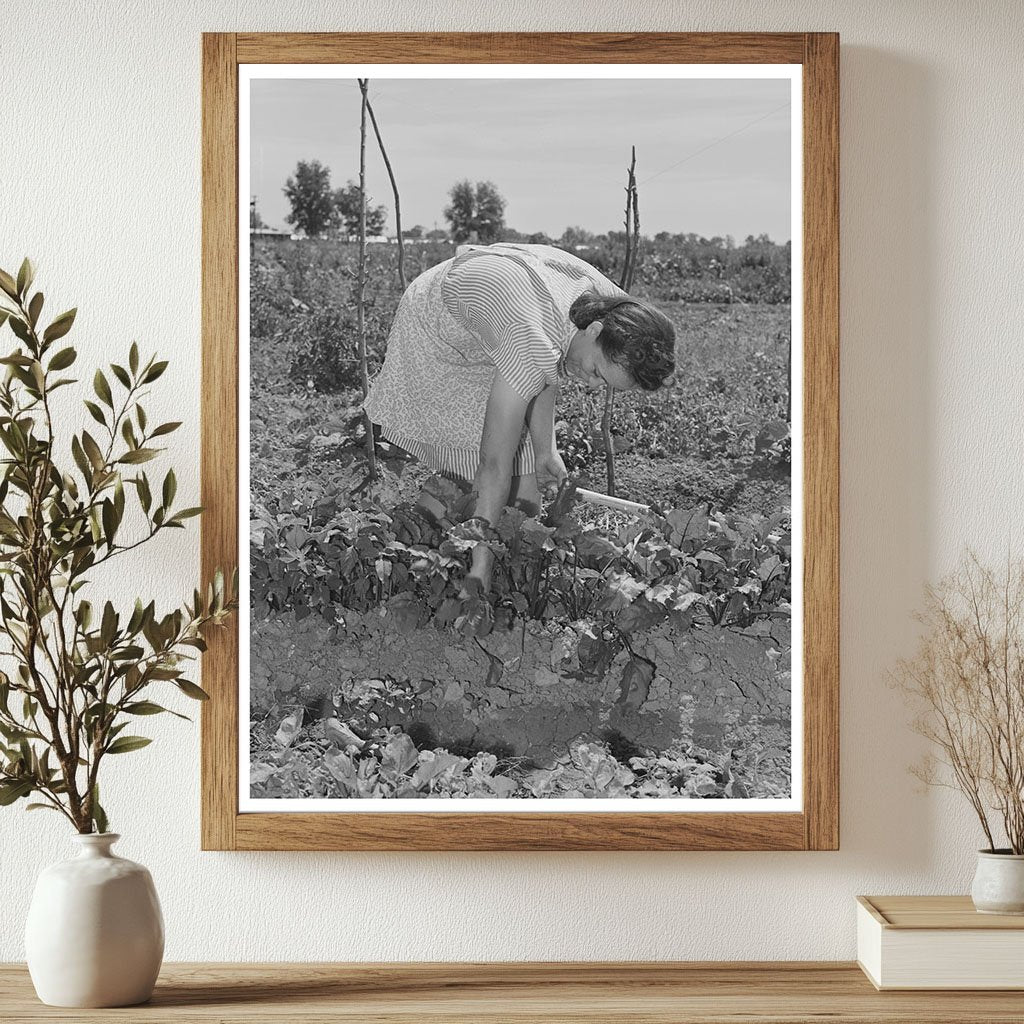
82,672
967,679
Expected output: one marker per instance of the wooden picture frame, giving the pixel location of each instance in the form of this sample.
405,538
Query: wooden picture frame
816,826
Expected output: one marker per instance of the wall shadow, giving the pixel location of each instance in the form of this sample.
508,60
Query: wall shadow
886,298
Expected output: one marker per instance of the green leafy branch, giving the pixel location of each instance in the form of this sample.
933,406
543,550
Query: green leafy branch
82,674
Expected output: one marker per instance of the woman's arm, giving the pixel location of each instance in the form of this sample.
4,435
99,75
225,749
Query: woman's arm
503,426
549,467
541,418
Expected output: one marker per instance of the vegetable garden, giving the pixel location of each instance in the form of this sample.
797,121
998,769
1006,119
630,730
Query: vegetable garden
614,656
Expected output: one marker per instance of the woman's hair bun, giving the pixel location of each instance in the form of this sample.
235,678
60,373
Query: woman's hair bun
635,334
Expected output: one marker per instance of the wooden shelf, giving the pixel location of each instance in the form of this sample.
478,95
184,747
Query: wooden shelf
523,993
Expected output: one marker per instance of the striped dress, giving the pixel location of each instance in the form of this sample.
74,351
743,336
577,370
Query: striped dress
501,307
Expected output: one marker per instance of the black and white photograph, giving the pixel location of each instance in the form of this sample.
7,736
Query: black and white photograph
520,426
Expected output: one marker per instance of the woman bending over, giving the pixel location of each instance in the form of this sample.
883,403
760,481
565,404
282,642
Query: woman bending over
470,377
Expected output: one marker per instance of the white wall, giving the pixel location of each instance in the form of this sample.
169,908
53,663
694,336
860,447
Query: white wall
99,182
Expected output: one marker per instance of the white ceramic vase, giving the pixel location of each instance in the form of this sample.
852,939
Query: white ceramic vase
95,933
999,883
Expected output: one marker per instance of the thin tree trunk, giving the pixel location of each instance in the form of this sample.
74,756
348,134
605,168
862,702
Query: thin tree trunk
394,189
371,454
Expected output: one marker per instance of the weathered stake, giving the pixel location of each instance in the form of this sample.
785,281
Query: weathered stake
394,189
364,375
625,283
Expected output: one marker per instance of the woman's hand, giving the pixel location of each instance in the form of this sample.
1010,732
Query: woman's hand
551,473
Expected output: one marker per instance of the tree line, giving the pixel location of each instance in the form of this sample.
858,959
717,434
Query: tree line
476,212
319,210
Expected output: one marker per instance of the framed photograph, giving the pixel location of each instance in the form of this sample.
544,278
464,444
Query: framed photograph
520,420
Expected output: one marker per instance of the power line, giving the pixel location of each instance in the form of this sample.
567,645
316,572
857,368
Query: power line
710,145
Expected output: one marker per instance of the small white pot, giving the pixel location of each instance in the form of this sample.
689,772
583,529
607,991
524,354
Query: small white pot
999,882
95,933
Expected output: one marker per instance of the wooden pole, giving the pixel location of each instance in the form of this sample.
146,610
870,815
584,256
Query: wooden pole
394,189
606,437
632,223
371,454
627,273
632,240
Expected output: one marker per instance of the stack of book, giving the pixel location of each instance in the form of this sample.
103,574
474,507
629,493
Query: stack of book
938,942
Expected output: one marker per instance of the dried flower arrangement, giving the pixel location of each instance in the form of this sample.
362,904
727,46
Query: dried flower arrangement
967,680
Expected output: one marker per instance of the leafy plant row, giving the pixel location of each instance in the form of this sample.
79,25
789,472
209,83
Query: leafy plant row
691,566
389,765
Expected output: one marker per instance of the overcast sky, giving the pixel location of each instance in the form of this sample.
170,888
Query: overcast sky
713,156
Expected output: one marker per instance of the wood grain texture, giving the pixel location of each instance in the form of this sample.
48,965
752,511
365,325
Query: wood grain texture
524,993
817,827
821,440
219,440
937,912
520,48
545,831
